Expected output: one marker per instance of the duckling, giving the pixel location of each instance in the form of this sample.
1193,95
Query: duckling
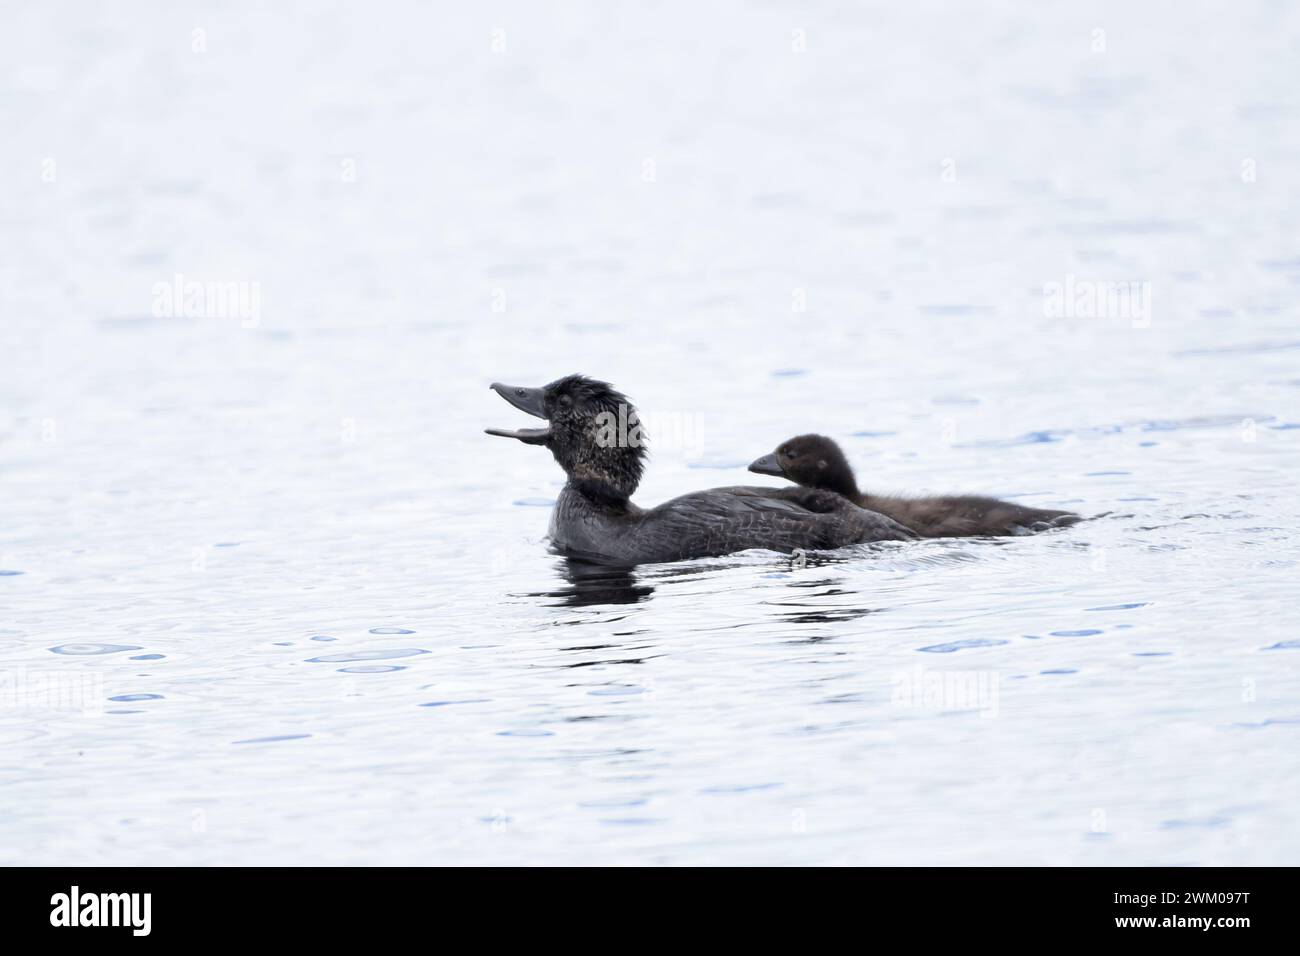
595,436
815,461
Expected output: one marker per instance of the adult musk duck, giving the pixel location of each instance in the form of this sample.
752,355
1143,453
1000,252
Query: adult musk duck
815,461
594,434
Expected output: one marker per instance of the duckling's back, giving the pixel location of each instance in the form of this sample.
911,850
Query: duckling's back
961,516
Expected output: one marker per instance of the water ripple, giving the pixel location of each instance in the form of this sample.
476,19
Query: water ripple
272,740
371,655
955,646
83,650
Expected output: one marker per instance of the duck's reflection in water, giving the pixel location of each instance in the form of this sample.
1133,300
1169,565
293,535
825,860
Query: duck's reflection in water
587,585
819,600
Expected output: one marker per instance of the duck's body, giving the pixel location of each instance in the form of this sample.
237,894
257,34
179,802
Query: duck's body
816,462
712,523
596,520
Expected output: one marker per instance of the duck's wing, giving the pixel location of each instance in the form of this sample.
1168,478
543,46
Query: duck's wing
726,520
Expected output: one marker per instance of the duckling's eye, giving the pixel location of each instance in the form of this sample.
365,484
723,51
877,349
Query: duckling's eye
566,401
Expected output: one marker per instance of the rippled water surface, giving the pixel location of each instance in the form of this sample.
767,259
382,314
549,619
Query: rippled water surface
306,605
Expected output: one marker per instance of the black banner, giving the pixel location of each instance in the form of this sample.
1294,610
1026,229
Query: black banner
133,907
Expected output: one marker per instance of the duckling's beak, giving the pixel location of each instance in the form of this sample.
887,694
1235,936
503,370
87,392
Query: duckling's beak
528,400
767,465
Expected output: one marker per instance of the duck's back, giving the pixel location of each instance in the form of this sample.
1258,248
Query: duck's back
721,521
726,520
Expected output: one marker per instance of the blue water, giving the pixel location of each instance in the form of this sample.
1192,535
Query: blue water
304,605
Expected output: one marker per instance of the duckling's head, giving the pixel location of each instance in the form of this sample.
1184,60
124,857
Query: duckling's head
592,430
813,461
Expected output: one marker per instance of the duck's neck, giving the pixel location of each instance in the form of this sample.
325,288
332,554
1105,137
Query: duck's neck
599,493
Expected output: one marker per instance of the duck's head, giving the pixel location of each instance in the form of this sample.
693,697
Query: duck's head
591,429
813,461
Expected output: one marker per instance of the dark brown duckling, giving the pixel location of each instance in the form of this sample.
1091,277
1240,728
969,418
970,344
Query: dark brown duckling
815,461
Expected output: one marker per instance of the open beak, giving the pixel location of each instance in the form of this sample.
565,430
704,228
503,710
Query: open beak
528,400
767,465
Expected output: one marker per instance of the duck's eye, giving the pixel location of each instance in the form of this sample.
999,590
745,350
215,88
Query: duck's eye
566,401
792,453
